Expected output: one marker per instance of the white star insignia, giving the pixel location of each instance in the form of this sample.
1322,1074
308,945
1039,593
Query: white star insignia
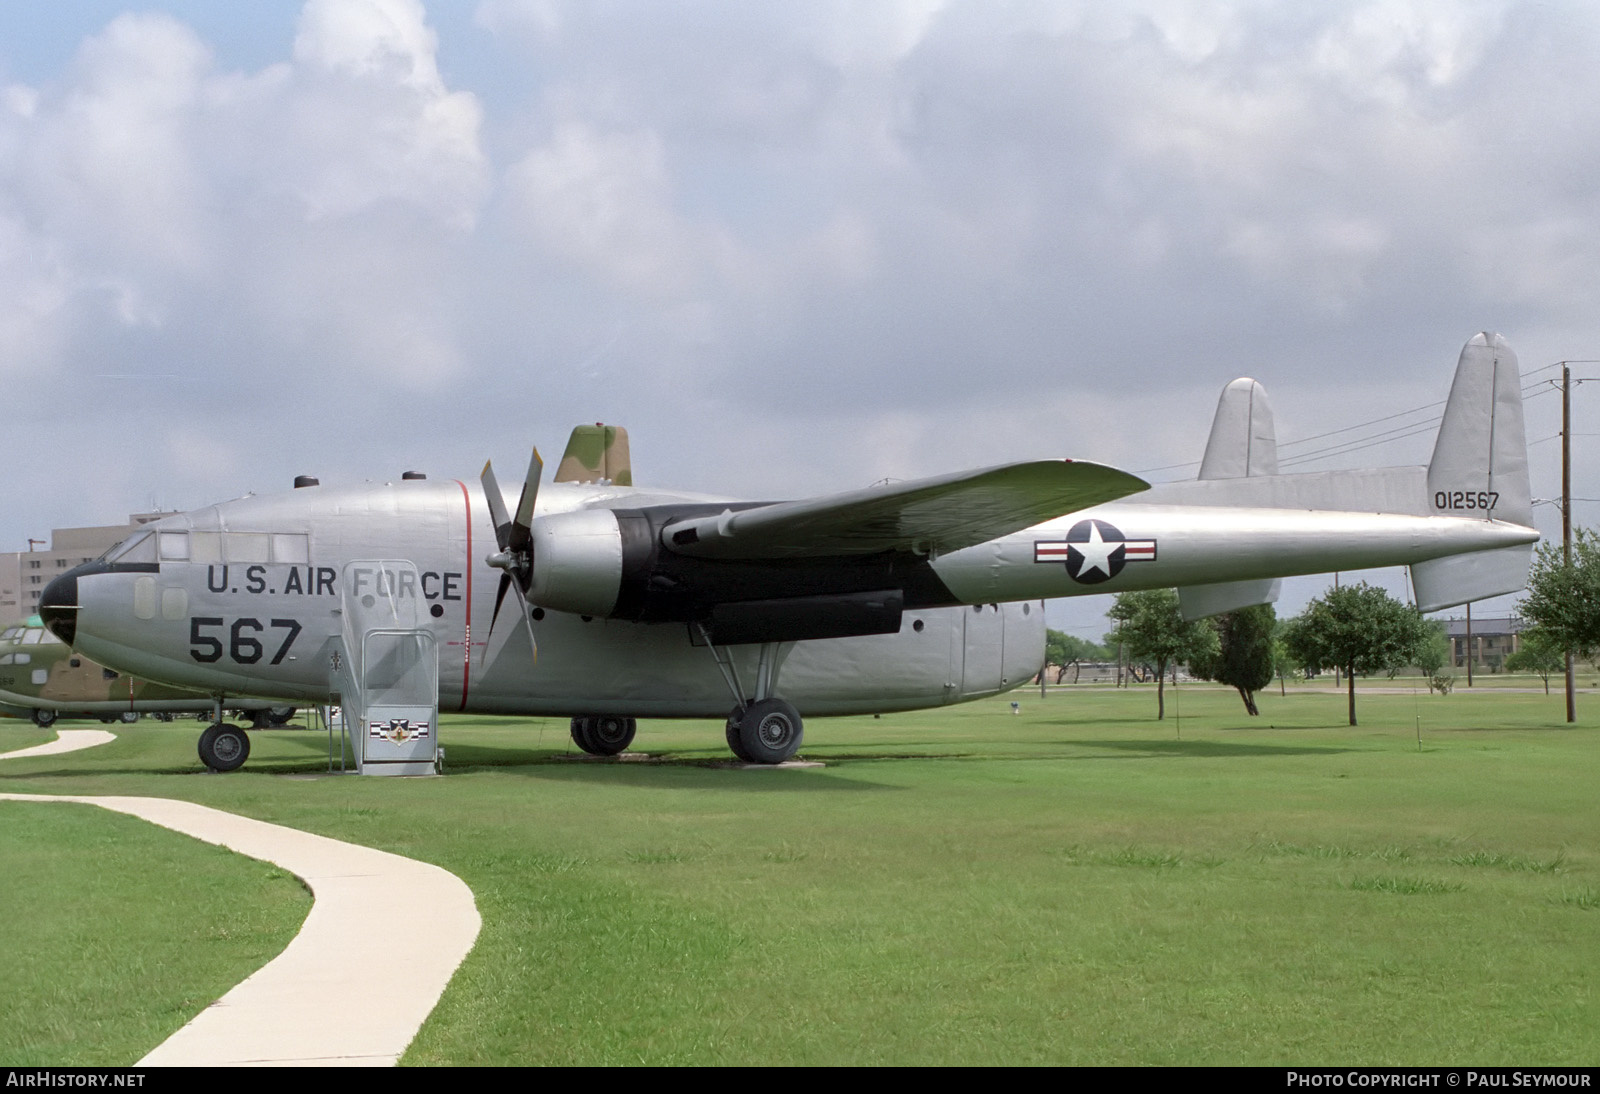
1096,553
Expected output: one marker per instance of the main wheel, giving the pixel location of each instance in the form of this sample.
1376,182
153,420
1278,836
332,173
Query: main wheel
580,732
610,735
731,733
280,716
128,717
769,731
603,734
224,747
42,718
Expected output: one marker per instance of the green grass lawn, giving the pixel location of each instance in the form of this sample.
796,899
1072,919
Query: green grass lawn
1074,884
16,734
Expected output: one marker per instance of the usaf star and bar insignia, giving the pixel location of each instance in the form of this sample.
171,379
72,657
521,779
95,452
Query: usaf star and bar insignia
1094,551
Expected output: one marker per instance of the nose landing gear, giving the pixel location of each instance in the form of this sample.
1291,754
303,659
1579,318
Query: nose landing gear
224,747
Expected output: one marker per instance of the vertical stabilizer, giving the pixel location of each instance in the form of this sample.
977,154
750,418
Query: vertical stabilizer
1480,461
1479,470
597,454
1243,439
1243,442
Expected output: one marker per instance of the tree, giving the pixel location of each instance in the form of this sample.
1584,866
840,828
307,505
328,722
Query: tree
1563,602
1154,630
1069,651
1433,654
1539,654
1244,658
1359,629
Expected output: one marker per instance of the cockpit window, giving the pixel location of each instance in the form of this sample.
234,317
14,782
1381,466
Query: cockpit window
291,547
174,546
10,634
136,548
33,636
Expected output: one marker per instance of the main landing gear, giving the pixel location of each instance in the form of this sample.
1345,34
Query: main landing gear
764,729
603,734
767,731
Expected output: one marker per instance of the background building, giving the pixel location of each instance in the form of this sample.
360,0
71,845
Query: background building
24,574
1493,640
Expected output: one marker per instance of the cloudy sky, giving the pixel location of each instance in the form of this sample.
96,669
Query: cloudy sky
795,248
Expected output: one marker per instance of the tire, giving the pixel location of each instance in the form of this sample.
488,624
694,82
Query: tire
280,716
731,733
224,747
44,718
603,734
770,731
611,735
580,733
128,717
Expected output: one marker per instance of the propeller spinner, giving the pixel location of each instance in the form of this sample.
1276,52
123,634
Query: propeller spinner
514,535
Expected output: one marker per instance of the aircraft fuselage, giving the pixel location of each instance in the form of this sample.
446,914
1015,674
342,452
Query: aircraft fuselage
245,597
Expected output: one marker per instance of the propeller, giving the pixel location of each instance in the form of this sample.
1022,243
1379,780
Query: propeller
514,536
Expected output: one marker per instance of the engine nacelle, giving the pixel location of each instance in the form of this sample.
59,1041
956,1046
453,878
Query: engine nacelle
577,562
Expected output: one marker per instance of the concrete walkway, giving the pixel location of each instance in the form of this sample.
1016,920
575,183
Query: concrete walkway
384,936
67,740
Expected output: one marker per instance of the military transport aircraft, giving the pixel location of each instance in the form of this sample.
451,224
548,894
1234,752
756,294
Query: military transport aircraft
630,601
41,678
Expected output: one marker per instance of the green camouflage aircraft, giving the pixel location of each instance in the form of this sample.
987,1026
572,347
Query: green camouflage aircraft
43,679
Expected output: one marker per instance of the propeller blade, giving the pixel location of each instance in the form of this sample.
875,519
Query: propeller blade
497,506
514,537
521,527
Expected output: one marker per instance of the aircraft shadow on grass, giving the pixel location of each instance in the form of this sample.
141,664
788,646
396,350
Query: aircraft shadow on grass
1209,749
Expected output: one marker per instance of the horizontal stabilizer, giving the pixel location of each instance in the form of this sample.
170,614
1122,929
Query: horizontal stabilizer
925,516
1200,601
1458,579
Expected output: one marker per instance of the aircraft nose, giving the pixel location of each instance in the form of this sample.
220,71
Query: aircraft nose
58,606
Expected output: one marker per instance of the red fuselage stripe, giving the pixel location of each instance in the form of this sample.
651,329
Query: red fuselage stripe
466,638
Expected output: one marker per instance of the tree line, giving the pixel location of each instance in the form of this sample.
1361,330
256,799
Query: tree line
1356,629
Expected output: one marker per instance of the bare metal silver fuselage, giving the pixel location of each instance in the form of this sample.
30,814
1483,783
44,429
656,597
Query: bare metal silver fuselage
272,628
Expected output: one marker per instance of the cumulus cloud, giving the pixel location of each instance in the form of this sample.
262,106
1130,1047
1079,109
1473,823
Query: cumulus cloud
793,247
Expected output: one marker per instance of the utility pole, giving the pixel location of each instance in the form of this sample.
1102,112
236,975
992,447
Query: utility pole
1469,643
1566,511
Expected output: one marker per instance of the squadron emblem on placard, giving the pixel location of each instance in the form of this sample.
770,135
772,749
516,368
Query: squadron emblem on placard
1094,551
397,730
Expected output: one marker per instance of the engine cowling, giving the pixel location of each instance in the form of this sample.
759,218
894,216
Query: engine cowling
577,562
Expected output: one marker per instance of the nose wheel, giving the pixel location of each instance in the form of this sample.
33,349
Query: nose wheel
224,747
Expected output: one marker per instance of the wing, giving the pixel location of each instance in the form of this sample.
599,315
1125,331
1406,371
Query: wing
926,516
